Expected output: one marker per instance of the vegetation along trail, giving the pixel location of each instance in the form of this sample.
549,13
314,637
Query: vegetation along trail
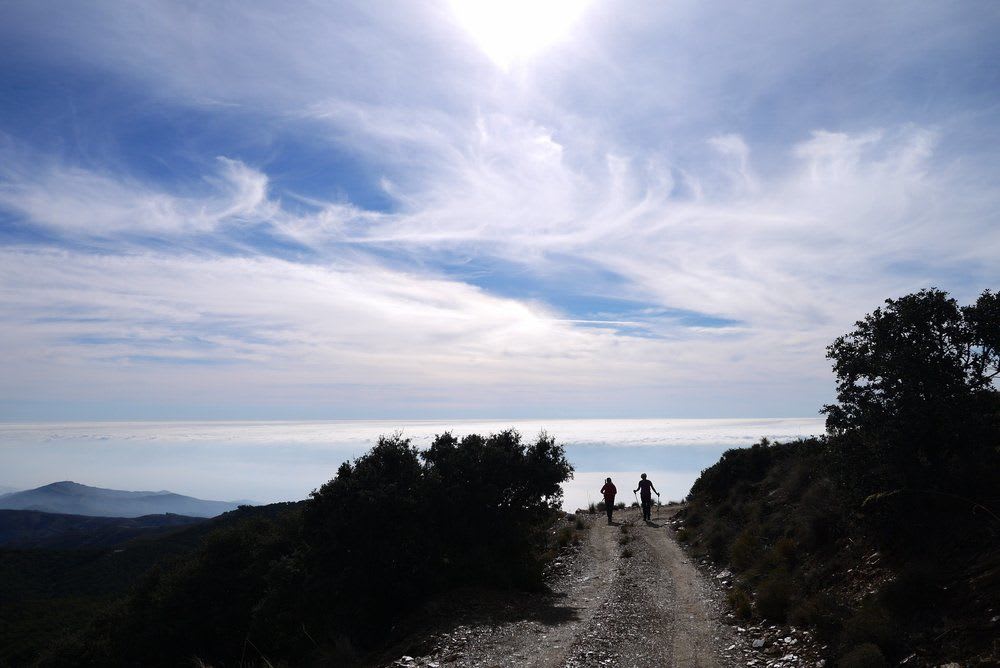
628,596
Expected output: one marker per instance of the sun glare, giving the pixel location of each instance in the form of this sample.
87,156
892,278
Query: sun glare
513,30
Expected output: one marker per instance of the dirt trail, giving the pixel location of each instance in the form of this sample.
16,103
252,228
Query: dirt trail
628,597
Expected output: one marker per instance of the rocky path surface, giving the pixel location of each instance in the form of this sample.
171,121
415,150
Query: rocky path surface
629,596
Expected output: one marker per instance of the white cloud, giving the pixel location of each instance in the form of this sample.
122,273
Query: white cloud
82,202
708,157
87,319
793,260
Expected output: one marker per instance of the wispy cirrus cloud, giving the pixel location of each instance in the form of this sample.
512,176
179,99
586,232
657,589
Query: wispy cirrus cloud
81,202
671,212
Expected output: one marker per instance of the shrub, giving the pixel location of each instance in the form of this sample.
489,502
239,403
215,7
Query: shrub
693,518
774,596
865,655
804,613
739,601
818,515
717,544
745,549
566,536
488,497
781,556
592,509
735,466
352,528
580,525
870,624
914,589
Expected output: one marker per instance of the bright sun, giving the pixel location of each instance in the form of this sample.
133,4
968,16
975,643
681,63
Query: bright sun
512,30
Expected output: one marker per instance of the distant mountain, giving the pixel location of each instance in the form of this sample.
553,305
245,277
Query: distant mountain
71,498
30,529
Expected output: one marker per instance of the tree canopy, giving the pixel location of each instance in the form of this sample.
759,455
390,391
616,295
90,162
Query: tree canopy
917,377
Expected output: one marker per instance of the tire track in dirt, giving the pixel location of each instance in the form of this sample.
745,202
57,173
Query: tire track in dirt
628,597
698,637
658,611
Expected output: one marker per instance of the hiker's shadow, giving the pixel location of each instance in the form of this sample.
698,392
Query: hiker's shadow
651,523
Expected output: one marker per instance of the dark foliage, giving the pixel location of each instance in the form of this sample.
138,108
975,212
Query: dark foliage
915,392
326,580
367,543
200,605
27,529
901,496
866,655
491,496
48,594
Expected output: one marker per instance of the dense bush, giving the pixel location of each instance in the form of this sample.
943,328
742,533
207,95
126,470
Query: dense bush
870,624
741,603
774,596
489,496
392,528
367,539
866,655
738,466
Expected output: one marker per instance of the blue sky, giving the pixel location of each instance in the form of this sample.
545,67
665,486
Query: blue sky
459,209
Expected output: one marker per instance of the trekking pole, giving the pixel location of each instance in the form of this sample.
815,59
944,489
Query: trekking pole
636,498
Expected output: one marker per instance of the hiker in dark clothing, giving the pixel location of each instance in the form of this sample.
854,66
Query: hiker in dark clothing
609,490
645,496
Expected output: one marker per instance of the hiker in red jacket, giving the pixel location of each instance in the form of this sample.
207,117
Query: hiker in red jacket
609,490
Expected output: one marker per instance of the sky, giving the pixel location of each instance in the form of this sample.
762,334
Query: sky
282,211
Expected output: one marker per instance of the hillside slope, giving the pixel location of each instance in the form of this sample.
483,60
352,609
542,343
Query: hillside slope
50,593
909,575
28,529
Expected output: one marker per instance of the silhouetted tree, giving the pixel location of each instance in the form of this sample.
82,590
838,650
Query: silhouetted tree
915,382
390,528
490,495
367,541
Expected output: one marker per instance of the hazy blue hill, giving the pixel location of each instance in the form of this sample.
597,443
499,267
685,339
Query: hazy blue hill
22,529
71,498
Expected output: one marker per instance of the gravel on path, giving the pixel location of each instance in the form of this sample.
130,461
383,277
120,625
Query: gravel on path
627,596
